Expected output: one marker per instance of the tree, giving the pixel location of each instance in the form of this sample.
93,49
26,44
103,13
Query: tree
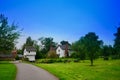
29,42
52,54
117,42
64,43
79,49
8,35
106,51
47,43
38,52
92,45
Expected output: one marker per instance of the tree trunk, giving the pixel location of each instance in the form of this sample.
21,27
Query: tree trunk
91,61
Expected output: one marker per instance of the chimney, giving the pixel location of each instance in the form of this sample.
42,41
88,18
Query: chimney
66,50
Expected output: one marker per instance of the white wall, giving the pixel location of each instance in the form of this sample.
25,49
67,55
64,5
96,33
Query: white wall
31,58
30,55
60,52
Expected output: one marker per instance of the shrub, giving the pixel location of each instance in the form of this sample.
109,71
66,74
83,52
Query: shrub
17,57
59,60
76,60
52,54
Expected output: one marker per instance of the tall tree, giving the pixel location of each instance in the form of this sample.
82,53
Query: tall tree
106,51
79,49
29,42
92,45
117,42
8,35
47,43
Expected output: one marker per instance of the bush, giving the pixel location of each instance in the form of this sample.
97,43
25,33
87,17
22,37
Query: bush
52,54
17,58
59,60
25,59
76,60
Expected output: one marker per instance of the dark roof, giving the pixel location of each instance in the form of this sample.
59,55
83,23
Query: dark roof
30,48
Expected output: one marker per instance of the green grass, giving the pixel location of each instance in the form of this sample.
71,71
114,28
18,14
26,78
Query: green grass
102,70
7,71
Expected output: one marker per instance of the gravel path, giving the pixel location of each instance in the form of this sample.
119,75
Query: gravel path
31,72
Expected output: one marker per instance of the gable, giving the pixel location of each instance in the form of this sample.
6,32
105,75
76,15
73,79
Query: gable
30,49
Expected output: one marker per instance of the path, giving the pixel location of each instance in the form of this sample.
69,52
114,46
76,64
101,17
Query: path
31,72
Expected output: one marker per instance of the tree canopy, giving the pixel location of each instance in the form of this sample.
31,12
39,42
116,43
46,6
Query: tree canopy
8,35
47,42
117,42
88,45
92,45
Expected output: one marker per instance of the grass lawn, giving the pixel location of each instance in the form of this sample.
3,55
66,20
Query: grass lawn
7,71
102,70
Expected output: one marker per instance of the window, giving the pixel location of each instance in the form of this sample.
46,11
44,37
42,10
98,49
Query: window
58,50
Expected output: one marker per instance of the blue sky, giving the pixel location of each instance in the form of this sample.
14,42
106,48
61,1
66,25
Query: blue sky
63,19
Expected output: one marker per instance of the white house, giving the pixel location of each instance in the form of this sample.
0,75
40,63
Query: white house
30,52
63,51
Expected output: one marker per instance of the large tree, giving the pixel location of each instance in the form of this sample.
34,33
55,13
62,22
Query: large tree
79,49
106,51
8,35
117,42
47,42
92,45
29,42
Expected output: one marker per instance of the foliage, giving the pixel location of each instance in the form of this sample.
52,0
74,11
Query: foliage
92,45
47,43
29,42
102,70
117,42
52,54
17,58
8,35
19,51
64,43
87,46
106,51
55,60
7,71
79,49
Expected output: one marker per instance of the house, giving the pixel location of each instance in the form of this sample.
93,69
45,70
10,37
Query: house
6,56
63,51
30,53
14,53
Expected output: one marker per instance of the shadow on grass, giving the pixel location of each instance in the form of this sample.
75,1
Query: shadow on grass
92,65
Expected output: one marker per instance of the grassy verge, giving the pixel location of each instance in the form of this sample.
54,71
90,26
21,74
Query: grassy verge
103,70
7,71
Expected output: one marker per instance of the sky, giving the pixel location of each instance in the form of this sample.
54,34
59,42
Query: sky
63,19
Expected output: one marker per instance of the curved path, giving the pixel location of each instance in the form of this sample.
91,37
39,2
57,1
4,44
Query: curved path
31,72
